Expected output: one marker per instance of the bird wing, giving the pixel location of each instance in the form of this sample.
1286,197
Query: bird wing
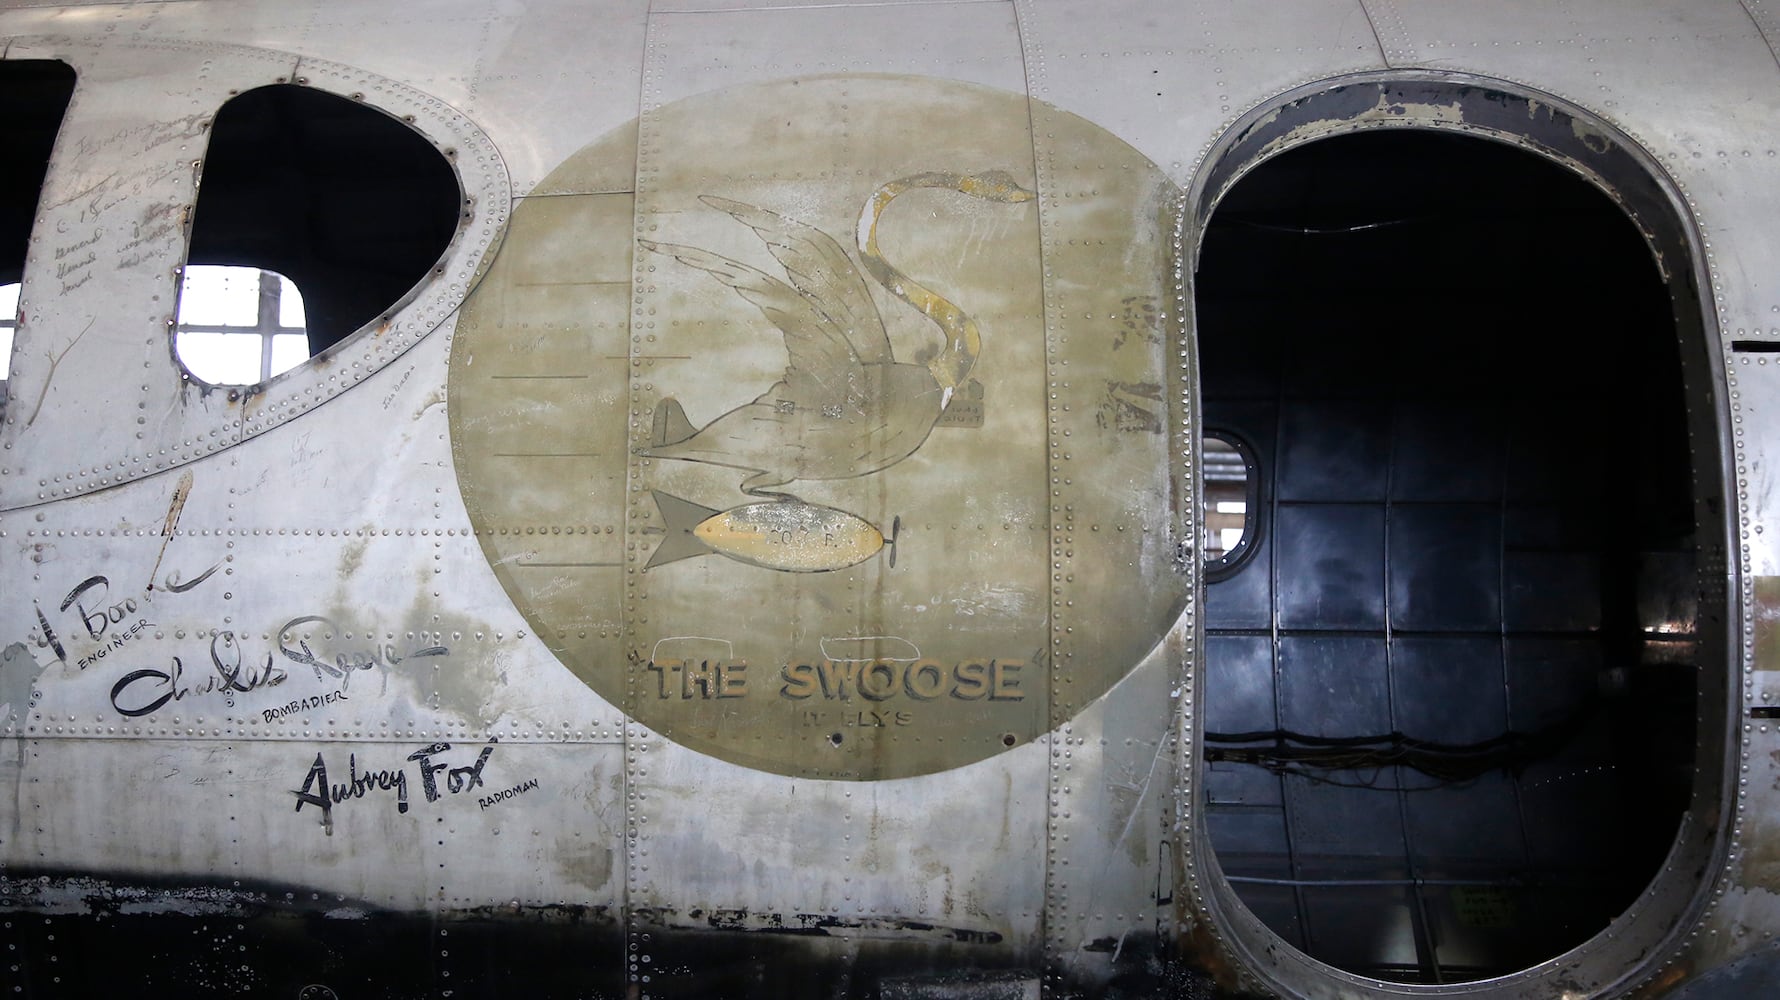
822,271
822,359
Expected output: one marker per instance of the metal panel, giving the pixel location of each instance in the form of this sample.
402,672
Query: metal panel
701,51
435,48
1549,679
394,840
1446,451
1582,51
1767,21
1362,926
1186,71
1329,686
1446,567
1246,599
1550,591
1448,690
338,578
485,60
71,323
898,885
102,279
1757,379
1112,789
1346,830
1240,670
207,595
943,871
1330,566
1119,438
1452,829
591,87
727,6
532,386
1245,813
1332,450
1753,377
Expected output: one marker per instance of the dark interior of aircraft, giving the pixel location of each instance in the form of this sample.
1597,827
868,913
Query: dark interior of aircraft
350,204
33,97
1451,662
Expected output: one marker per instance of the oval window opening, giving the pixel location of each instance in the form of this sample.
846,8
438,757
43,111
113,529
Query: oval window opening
1232,488
1450,704
303,188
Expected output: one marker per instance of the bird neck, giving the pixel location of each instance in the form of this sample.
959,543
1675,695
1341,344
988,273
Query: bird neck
964,342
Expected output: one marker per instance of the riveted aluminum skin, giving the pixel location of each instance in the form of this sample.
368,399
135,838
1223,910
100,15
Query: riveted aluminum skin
412,668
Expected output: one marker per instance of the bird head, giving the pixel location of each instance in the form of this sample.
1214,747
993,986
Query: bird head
995,185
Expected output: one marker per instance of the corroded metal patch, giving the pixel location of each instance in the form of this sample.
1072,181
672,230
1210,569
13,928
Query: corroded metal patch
770,448
1767,623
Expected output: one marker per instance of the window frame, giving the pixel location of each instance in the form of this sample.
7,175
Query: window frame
267,327
1657,925
1237,556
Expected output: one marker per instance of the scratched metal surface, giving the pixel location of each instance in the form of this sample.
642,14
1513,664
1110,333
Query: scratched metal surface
338,513
1752,896
129,223
1725,174
1727,170
1170,87
1062,895
1647,926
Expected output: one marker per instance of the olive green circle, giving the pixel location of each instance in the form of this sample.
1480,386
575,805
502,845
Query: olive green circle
978,588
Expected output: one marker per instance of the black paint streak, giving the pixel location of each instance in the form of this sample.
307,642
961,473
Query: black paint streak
230,675
50,634
356,787
173,584
818,924
343,665
278,938
316,790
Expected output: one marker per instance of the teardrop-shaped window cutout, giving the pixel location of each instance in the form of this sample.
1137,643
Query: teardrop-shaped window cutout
319,192
34,96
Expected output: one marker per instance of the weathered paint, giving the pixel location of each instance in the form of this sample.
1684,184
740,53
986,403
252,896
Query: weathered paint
349,513
828,429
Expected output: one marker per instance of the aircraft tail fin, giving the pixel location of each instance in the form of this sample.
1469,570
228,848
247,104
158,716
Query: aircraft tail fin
681,516
671,425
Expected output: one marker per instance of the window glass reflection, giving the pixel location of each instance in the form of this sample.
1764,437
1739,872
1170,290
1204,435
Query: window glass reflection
9,321
239,325
1229,510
